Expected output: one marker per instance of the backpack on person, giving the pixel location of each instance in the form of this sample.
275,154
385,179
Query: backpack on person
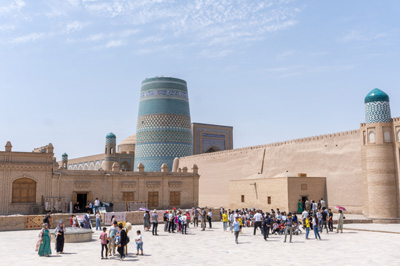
117,240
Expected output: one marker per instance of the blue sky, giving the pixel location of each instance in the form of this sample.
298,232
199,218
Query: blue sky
71,70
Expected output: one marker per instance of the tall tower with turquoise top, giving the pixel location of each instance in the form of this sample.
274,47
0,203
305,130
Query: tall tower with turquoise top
163,127
64,158
378,158
377,107
110,158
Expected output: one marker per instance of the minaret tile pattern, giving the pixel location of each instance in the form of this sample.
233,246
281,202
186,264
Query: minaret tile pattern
377,107
163,129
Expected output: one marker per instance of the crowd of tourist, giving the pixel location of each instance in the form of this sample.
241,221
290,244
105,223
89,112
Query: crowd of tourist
314,216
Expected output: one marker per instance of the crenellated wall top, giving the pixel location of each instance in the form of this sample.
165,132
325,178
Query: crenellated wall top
275,144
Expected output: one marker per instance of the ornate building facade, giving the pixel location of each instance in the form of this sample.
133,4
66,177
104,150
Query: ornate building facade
31,182
209,138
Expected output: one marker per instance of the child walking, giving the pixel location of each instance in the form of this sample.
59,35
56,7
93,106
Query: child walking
104,239
139,243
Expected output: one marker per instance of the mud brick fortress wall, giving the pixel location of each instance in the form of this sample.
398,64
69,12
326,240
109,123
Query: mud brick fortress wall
335,156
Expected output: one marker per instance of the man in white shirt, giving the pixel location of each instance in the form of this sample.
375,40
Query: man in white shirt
322,203
257,221
304,215
96,205
171,222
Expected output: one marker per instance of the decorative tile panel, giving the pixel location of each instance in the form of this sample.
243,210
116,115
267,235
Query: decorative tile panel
377,112
171,94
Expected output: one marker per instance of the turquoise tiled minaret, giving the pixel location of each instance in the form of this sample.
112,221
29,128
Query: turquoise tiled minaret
64,158
163,129
377,107
111,143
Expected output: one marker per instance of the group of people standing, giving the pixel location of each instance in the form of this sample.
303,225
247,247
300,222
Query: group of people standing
118,239
43,245
267,222
317,219
180,220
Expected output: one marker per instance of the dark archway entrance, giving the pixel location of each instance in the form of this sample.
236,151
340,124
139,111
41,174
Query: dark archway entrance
212,149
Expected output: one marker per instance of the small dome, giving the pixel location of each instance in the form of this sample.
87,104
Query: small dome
376,95
64,155
129,140
110,136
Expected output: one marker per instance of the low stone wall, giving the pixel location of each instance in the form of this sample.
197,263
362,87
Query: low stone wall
34,222
75,235
31,222
11,223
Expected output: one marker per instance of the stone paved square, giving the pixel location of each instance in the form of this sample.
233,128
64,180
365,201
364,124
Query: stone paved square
215,247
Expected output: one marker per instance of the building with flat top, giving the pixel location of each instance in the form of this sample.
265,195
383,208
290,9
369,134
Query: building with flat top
32,182
282,191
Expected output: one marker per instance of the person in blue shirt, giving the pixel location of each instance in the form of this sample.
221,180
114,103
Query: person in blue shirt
294,218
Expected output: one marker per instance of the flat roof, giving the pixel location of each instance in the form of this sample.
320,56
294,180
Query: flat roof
203,124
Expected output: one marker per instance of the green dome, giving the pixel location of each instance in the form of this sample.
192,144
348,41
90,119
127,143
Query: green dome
64,154
110,136
376,95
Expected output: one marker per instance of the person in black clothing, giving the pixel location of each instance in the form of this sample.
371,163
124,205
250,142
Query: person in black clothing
266,225
76,207
165,221
122,243
324,220
59,235
330,220
46,219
